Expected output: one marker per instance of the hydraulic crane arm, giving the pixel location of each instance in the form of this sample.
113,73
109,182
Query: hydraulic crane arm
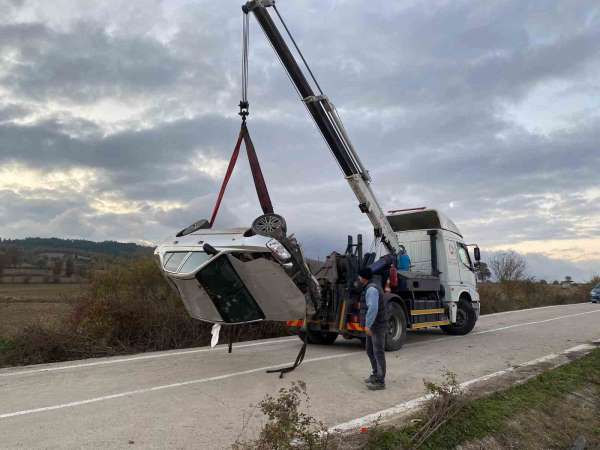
328,121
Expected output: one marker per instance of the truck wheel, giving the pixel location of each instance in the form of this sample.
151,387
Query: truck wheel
319,337
465,320
396,332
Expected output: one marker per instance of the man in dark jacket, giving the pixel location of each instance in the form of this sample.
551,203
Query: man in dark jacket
375,327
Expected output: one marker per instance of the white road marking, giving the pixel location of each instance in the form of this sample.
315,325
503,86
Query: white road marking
166,386
531,309
144,357
534,323
415,403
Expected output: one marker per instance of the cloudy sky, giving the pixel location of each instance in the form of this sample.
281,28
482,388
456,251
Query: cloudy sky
117,119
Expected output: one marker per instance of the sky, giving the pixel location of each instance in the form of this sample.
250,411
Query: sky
118,118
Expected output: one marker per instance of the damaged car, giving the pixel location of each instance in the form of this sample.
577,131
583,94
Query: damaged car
239,275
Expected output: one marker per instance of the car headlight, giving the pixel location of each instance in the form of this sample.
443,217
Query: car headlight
278,251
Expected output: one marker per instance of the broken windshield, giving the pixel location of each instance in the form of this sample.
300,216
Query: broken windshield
229,295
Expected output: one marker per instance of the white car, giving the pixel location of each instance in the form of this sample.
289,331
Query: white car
233,276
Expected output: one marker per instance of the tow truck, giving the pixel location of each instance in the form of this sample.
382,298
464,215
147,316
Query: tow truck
260,272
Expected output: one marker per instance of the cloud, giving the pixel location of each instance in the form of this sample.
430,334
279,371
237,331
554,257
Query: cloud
485,110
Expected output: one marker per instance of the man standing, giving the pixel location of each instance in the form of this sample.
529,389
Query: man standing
375,327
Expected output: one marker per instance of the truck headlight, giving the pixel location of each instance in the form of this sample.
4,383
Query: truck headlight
279,251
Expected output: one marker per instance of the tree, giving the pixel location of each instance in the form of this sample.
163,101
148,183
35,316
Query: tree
483,272
69,267
508,266
81,271
3,262
555,283
543,282
57,267
14,256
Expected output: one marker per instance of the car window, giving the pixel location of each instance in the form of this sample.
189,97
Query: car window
195,260
173,260
463,254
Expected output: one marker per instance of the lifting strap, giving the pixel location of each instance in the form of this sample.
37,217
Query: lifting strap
299,357
259,180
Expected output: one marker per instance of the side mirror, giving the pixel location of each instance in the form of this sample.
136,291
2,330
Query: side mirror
477,254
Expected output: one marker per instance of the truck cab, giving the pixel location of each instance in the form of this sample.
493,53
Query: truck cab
436,246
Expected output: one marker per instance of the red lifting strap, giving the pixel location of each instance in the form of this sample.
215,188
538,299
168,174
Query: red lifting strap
259,180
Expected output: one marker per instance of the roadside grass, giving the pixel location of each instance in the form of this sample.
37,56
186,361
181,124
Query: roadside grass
40,292
5,344
126,309
515,295
539,408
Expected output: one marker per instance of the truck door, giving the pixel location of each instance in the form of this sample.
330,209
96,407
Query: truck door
452,269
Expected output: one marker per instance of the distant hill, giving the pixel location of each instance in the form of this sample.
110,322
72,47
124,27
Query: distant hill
80,246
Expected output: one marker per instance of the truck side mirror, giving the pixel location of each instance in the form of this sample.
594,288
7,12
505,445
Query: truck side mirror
477,254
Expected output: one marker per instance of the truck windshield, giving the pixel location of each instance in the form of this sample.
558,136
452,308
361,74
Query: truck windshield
463,254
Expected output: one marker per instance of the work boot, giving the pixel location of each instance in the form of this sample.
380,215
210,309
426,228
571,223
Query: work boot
376,385
372,379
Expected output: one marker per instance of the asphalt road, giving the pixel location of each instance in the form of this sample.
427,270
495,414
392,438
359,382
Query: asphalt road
200,398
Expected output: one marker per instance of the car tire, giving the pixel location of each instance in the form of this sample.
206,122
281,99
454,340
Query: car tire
465,320
396,331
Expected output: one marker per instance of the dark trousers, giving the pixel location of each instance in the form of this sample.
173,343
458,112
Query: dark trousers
376,352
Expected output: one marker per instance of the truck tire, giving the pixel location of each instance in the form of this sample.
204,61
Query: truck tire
319,337
465,320
396,332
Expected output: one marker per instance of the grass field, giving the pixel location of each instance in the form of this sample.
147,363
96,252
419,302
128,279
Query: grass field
550,411
24,304
39,292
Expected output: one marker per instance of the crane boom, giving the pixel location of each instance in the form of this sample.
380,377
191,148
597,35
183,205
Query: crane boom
329,123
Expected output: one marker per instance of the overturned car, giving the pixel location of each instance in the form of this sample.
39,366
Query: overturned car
239,275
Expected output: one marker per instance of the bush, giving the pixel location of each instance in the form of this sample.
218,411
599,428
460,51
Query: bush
513,295
445,400
127,308
287,427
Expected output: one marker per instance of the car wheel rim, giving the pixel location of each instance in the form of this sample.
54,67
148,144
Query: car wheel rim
268,224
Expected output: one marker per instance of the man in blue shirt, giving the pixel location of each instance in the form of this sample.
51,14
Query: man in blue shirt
403,260
375,328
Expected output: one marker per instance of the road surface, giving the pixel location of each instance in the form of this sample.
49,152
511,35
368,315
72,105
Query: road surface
200,398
